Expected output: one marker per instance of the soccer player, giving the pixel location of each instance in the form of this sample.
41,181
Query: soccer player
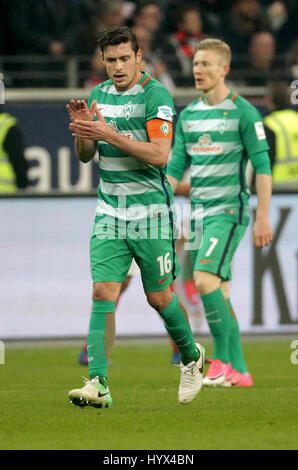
132,131
216,135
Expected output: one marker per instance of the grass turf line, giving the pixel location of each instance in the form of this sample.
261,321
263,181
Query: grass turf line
35,412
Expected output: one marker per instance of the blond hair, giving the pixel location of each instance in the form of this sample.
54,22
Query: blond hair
216,44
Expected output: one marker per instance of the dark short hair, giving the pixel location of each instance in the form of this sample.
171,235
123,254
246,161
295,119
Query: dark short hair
142,5
118,35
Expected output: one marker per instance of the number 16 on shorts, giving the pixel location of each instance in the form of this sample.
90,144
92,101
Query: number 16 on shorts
165,264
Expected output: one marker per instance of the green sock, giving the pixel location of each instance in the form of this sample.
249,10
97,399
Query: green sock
235,348
179,330
217,316
102,380
96,339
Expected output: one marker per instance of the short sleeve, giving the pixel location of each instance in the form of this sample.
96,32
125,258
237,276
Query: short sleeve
160,105
179,160
252,131
261,163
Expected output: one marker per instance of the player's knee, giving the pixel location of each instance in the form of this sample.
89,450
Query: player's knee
98,292
201,286
157,304
159,300
206,282
104,291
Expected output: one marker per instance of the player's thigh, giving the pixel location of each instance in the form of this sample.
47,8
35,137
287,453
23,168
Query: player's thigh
134,270
220,241
157,260
110,257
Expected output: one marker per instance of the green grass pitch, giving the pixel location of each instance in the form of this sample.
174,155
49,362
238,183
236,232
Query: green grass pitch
35,412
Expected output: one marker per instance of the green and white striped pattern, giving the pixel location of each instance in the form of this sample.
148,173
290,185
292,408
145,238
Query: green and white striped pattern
216,142
124,180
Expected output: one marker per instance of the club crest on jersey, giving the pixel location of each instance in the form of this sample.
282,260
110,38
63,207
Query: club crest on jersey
222,125
165,128
113,125
128,110
205,145
165,112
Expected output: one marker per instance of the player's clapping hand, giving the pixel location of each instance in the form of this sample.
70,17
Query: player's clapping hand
94,130
262,232
78,110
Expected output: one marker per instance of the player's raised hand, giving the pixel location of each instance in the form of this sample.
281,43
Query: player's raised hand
99,115
95,130
78,110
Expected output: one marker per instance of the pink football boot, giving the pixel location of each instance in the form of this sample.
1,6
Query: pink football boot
218,373
237,379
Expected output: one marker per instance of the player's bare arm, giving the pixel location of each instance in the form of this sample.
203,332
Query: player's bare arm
183,189
262,232
173,183
155,152
78,111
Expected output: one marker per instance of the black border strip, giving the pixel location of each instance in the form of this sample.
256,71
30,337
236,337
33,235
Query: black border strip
226,248
242,187
162,177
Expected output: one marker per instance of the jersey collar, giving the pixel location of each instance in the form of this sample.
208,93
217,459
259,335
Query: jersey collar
146,77
231,96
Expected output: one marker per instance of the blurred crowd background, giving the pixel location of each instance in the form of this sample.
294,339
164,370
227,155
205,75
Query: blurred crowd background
53,43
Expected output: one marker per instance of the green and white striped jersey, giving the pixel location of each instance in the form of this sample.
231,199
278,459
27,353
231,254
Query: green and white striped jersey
128,188
216,141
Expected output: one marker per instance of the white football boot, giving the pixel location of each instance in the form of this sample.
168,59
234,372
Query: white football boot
191,378
92,394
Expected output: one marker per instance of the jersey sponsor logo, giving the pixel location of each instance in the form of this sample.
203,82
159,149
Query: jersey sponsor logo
205,145
165,112
204,261
259,128
127,135
128,110
165,128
